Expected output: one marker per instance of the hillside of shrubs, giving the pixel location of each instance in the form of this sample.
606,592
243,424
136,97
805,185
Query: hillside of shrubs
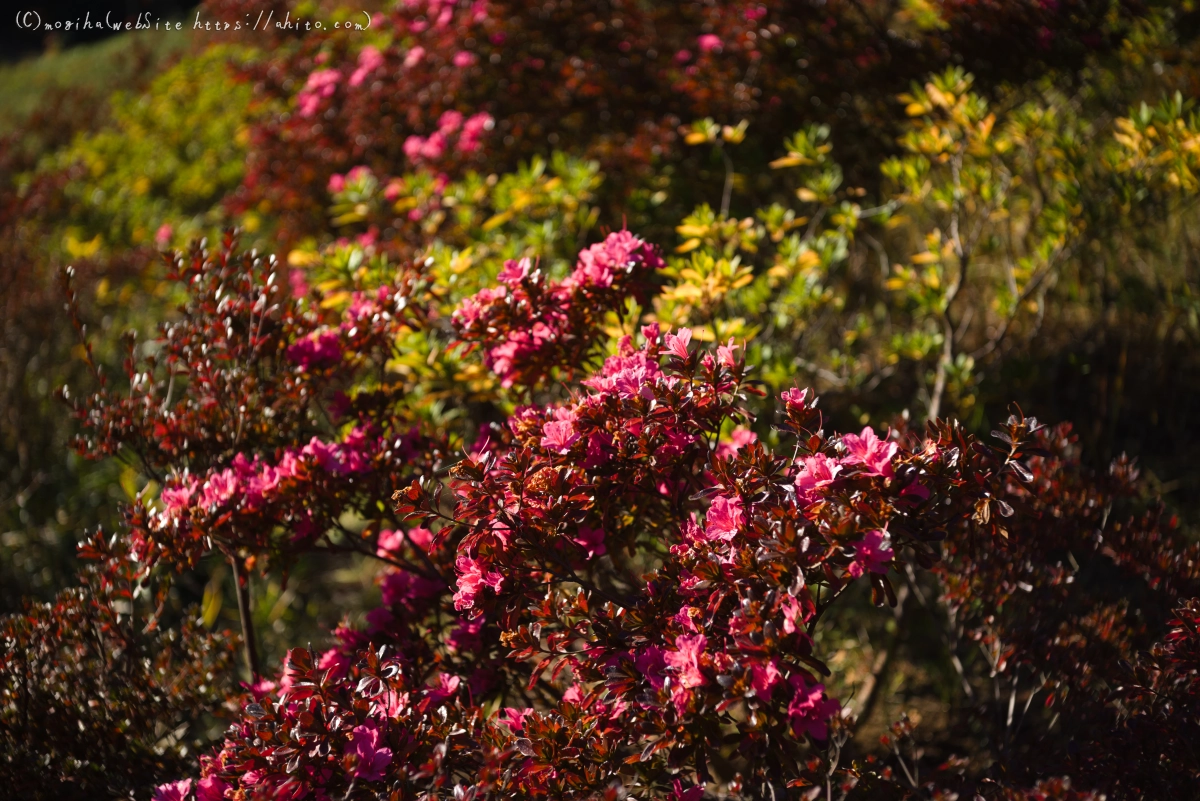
605,399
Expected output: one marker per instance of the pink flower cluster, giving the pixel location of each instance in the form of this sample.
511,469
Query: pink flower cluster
319,350
321,84
369,60
469,135
865,452
530,324
252,485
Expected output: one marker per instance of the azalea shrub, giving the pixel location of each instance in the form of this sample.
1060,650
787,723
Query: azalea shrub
495,429
624,586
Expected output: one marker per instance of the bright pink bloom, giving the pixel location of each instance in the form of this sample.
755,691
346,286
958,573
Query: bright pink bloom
818,471
336,662
337,183
515,718
173,791
179,497
473,130
472,578
628,374
873,552
317,350
372,757
412,147
650,663
434,146
162,237
793,615
320,84
369,60
725,354
298,283
871,452
739,438
211,789
219,488
617,253
708,43
724,518
677,344
686,618
764,677
450,121
794,397
464,59
809,709
559,435
414,57
515,271
686,659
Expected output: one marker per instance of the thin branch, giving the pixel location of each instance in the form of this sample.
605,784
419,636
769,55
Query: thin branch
242,589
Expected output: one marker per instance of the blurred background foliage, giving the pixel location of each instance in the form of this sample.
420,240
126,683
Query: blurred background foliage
921,208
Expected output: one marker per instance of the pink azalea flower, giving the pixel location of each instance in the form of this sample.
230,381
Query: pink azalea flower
650,663
372,757
677,344
434,146
472,132
725,354
515,718
336,662
369,60
318,350
708,43
764,677
793,615
873,552
297,283
591,540
871,452
558,436
794,397
414,57
320,84
450,121
162,237
179,497
817,472
686,659
686,618
464,59
173,791
739,438
809,710
471,580
211,789
219,488
515,271
413,146
724,518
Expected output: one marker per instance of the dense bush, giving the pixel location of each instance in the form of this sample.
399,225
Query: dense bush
518,401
